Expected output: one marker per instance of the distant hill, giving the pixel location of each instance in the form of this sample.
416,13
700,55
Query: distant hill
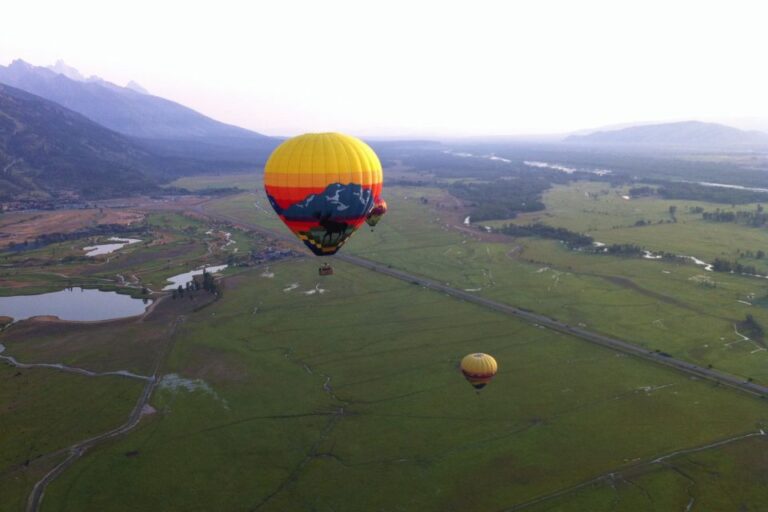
693,134
48,151
127,110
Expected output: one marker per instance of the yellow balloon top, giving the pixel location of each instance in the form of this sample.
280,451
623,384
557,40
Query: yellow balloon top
479,364
314,160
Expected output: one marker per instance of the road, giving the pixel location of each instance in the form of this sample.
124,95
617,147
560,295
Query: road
77,450
529,316
556,325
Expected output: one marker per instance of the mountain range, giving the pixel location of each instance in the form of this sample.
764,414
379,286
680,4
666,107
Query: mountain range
66,135
63,133
48,151
691,134
127,110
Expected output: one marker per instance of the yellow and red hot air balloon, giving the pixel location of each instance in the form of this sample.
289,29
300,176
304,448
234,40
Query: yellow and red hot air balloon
323,186
376,213
479,369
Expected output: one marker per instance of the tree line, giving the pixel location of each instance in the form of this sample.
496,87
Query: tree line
501,199
756,219
570,238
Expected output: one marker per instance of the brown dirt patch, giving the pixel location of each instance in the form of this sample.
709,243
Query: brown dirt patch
174,203
18,227
12,284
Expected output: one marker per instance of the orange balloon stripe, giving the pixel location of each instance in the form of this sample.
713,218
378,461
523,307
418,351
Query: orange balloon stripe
294,179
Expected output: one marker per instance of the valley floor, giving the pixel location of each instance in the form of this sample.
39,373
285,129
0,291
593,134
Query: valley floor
294,392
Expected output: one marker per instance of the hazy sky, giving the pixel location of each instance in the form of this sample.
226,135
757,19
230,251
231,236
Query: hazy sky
414,67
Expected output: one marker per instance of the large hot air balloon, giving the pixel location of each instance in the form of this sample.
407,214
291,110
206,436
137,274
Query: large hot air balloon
323,185
376,213
479,369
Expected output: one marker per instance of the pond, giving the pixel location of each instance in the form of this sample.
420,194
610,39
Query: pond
73,304
119,243
186,277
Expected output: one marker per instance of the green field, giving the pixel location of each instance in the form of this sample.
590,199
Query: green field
246,180
44,411
173,244
663,306
346,400
689,482
595,209
294,392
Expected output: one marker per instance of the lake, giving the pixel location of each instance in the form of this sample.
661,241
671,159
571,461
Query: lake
73,304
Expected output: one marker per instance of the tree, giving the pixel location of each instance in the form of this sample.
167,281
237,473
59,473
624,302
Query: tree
672,212
721,265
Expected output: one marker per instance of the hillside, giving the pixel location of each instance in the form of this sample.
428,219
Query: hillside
127,110
687,134
48,151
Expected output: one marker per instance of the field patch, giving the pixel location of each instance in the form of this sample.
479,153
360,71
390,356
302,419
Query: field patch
337,393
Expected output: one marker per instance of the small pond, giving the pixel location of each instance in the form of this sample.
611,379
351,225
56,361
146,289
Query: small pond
119,243
186,277
73,304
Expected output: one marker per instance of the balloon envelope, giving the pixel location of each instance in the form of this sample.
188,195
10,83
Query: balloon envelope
376,213
479,369
323,186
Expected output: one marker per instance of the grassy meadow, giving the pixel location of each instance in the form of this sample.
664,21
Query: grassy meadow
346,400
44,411
676,308
295,392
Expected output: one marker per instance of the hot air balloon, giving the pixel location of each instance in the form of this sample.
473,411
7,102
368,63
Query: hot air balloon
376,213
323,186
479,369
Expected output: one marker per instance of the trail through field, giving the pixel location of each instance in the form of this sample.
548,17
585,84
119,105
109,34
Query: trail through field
621,473
759,347
631,285
77,450
58,366
334,417
8,167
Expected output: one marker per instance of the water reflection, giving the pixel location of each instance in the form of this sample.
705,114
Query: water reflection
73,304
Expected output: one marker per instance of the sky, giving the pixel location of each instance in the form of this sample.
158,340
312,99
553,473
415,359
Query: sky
414,68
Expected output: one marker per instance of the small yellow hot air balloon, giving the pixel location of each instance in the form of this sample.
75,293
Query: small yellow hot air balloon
479,369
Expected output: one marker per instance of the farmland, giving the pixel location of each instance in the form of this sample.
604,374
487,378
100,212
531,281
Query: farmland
294,392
